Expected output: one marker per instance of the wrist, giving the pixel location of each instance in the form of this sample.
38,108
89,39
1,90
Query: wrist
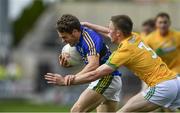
69,80
72,79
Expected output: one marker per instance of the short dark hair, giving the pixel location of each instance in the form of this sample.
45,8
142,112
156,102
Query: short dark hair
123,23
163,14
67,23
150,22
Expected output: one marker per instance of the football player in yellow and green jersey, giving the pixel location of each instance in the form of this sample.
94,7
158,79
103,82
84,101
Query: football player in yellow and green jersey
165,42
132,53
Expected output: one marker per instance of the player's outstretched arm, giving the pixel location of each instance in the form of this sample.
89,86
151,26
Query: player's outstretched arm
97,28
58,79
90,76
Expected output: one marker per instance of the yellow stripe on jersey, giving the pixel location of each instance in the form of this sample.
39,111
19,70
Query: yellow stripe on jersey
87,42
92,49
87,37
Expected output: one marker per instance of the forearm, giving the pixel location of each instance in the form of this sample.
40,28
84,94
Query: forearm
86,78
88,68
101,71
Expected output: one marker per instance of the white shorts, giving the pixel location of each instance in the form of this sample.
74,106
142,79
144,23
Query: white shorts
165,94
109,86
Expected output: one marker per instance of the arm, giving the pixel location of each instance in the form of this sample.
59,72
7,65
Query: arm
91,76
93,63
103,30
58,79
118,58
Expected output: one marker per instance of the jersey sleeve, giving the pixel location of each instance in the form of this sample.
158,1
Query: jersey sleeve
94,43
146,39
119,57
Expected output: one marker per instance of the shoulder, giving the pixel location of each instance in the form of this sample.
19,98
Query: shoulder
177,33
91,35
150,37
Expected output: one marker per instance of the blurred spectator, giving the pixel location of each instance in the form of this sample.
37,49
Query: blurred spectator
147,27
166,42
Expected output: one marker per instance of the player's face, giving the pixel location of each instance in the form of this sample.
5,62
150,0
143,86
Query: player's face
163,24
112,32
71,39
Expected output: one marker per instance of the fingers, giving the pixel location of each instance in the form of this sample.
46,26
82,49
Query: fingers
84,23
69,79
51,74
54,79
51,82
60,57
50,79
63,59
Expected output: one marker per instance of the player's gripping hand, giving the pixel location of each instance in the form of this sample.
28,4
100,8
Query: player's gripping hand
63,60
69,79
56,79
85,23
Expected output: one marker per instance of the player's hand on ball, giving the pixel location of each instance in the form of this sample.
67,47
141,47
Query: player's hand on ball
63,60
55,79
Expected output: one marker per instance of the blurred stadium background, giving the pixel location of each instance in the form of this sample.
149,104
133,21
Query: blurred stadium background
29,48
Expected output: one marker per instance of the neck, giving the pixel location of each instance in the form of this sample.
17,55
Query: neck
120,39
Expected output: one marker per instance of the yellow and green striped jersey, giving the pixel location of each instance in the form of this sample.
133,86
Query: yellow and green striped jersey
141,59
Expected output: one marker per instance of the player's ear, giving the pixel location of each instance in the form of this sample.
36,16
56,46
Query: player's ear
74,31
